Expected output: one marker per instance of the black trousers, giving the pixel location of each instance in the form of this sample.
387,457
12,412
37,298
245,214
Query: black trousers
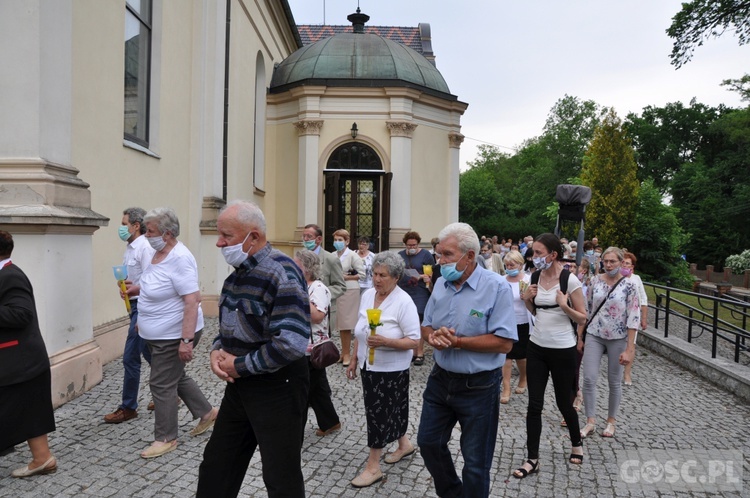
561,364
320,399
269,410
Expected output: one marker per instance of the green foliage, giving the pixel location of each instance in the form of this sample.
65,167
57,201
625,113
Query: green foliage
741,86
712,192
739,262
609,169
699,20
667,137
657,238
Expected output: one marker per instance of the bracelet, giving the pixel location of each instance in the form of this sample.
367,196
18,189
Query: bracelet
458,343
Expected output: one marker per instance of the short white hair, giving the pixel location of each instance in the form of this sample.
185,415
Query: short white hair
249,215
465,236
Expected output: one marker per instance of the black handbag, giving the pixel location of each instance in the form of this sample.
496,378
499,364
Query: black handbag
324,353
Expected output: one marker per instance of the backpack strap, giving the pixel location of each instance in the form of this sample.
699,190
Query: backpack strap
564,276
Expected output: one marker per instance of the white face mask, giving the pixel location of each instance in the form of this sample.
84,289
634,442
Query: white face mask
234,255
158,243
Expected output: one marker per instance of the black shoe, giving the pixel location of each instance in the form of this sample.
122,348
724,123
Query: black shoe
522,473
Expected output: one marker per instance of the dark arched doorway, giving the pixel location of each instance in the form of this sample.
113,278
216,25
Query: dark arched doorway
357,195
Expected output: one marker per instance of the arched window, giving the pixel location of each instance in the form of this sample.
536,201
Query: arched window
354,155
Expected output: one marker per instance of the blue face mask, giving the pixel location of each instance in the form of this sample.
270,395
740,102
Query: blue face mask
449,272
122,231
310,244
590,253
339,245
511,273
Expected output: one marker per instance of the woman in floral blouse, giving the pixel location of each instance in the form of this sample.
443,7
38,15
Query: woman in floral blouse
611,331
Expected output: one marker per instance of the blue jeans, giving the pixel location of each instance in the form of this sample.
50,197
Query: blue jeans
131,360
472,401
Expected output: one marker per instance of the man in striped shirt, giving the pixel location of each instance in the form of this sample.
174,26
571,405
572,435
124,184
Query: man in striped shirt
264,329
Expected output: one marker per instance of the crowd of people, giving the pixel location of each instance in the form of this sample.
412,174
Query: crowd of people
478,304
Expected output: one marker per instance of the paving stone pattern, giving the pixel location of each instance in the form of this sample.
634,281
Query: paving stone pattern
667,408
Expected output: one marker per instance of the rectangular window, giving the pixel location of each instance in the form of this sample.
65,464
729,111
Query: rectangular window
137,70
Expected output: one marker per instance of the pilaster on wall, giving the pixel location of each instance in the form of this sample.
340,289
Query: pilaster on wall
43,202
307,167
454,145
401,134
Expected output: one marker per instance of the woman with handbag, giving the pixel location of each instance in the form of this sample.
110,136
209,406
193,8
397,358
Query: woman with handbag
347,305
383,360
610,330
552,346
319,398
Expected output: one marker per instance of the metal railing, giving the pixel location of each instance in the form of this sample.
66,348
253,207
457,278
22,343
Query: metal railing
705,318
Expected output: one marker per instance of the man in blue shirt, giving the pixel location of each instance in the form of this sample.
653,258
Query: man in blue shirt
470,322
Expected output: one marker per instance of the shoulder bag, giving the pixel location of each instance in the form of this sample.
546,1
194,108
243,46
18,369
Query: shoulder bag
585,327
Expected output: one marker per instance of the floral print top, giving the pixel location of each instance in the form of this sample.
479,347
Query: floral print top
620,312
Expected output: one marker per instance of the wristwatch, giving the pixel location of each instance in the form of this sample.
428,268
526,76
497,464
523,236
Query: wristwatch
186,341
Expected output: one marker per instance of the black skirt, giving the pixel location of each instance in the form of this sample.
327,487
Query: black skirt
386,406
26,410
519,348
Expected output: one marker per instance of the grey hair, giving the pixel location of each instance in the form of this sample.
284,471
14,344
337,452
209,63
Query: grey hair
310,263
618,252
166,220
135,215
392,261
249,214
464,234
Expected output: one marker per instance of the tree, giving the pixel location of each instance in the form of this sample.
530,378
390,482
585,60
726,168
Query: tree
658,239
609,169
712,192
568,132
667,137
741,86
700,20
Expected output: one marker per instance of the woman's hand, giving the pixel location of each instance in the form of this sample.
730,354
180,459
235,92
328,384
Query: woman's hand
185,351
626,358
530,293
376,341
351,370
561,299
580,345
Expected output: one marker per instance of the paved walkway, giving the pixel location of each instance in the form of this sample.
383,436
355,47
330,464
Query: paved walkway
667,415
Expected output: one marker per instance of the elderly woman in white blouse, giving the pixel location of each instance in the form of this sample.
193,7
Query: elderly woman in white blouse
385,382
170,319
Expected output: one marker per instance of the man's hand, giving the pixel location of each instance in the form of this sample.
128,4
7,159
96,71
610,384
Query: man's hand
441,338
217,358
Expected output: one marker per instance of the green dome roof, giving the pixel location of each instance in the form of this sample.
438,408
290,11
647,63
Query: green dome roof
358,59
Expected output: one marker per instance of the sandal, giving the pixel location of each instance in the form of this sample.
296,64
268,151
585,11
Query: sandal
587,429
419,360
576,459
520,390
578,401
609,430
521,473
504,399
563,423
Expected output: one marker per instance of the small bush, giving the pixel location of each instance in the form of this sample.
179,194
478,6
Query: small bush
739,262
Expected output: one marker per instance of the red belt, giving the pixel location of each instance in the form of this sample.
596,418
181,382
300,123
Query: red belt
8,344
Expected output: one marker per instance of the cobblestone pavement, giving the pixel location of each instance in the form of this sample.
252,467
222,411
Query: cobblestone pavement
668,414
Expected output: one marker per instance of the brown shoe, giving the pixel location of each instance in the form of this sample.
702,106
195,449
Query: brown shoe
321,433
120,415
151,406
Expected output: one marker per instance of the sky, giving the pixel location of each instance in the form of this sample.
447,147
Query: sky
512,60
